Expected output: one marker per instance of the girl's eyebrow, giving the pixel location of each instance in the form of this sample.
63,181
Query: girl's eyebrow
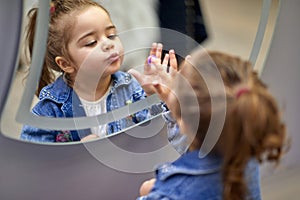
92,32
110,27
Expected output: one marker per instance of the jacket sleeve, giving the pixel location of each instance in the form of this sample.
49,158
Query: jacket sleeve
154,196
177,140
34,134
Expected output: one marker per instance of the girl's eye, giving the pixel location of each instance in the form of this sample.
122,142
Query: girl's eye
91,43
112,36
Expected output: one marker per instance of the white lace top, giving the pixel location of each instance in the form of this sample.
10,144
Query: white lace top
93,108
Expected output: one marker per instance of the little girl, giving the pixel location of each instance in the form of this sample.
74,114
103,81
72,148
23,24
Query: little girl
252,132
84,46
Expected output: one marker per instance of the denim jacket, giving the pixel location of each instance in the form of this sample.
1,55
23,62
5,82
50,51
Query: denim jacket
192,178
179,141
59,100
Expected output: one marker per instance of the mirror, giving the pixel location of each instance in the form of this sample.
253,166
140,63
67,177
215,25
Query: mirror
122,90
225,33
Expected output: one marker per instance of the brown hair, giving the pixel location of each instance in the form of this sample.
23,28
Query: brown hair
252,128
60,24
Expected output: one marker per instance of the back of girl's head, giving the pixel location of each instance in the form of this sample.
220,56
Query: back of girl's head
253,126
62,15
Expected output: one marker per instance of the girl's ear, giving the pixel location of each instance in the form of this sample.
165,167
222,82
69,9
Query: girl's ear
64,64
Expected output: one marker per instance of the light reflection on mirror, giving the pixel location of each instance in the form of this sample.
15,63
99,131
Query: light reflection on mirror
232,26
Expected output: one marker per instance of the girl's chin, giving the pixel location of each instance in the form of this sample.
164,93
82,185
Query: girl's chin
113,68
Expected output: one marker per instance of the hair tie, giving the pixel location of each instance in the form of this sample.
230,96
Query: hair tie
241,91
52,8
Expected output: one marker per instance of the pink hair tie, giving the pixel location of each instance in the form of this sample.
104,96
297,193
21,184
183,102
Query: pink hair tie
241,91
52,8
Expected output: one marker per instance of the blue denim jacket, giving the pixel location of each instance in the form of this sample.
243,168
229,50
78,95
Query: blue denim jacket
179,141
192,178
60,100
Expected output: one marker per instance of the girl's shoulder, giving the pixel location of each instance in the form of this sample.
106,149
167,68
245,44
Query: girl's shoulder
58,91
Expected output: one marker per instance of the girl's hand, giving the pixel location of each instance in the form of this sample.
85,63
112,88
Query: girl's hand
165,86
89,137
151,71
146,187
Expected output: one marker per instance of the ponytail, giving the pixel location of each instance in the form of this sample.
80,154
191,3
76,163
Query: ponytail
47,75
254,131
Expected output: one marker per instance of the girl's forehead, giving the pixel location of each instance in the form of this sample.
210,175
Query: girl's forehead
92,10
91,17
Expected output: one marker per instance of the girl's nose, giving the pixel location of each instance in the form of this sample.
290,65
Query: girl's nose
107,45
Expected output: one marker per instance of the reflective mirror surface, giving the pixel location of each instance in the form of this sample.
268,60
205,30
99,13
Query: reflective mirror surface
225,32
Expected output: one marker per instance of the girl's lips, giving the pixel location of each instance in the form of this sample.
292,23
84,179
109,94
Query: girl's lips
113,57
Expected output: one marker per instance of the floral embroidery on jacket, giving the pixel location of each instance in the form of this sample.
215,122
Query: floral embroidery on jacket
64,136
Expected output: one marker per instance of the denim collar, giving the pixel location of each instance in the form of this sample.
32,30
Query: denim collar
120,78
190,164
59,91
